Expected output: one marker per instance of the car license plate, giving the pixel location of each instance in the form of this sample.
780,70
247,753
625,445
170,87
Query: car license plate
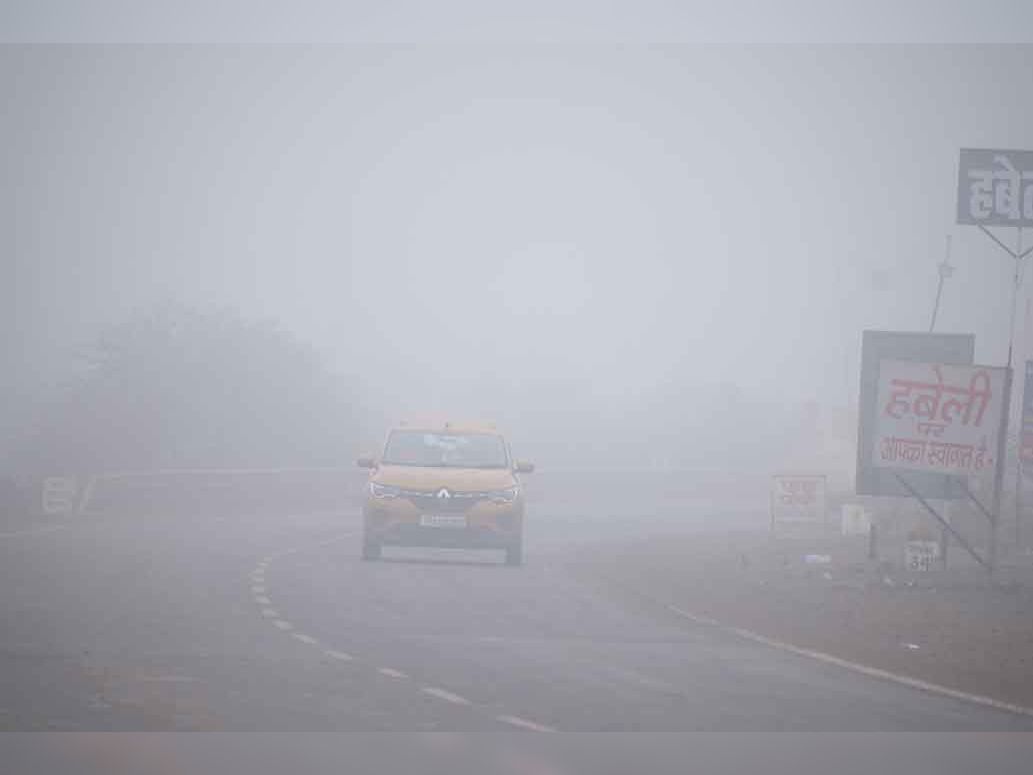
442,520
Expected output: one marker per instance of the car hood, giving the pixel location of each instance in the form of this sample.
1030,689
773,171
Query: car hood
456,479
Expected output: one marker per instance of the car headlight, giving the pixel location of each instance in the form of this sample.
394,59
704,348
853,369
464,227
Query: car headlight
378,490
504,496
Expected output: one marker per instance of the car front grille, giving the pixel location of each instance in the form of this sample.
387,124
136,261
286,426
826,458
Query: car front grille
430,503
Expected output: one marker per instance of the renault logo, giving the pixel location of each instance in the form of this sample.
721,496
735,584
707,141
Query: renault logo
443,493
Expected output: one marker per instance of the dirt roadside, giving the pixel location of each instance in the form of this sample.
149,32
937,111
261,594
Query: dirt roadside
947,627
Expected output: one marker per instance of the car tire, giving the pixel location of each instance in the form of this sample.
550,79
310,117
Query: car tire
370,550
515,554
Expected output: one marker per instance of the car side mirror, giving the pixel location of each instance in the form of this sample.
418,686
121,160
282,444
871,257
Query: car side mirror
523,467
366,461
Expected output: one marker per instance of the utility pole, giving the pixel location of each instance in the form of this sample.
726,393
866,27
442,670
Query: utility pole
1019,473
991,193
945,270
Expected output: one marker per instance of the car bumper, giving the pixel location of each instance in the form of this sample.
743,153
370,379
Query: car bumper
442,537
488,528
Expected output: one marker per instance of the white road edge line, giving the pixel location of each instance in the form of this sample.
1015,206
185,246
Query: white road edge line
270,613
283,625
263,600
857,667
338,655
441,694
304,638
258,589
391,673
694,617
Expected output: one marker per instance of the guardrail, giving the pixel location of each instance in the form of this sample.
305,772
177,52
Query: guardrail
588,493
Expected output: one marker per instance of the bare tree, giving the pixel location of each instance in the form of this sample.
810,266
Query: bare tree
179,387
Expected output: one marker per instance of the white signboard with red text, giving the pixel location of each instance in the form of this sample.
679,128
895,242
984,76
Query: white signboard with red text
798,499
878,346
937,417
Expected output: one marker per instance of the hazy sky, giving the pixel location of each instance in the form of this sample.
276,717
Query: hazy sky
434,218
644,21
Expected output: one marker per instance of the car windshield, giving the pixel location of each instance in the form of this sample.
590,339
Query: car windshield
447,450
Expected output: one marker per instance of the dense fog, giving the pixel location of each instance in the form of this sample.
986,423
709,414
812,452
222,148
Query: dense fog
653,256
474,372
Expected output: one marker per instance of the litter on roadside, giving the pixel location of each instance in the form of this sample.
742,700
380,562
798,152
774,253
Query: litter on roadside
817,559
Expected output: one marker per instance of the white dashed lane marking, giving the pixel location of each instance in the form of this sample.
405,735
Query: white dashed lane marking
338,655
169,679
261,598
441,694
522,723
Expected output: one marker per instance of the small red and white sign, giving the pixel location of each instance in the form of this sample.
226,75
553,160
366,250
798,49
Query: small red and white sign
938,418
797,498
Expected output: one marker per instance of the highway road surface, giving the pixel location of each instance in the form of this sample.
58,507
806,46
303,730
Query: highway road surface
274,624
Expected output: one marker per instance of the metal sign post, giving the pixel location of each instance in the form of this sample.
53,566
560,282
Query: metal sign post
995,188
1025,456
1002,451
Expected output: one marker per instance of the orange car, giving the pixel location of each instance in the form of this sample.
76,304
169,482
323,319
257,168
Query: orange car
445,485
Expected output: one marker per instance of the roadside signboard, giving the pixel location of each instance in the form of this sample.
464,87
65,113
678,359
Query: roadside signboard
58,495
937,417
877,346
995,187
919,555
855,520
797,499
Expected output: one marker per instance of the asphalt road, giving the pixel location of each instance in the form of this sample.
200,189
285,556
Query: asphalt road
274,624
